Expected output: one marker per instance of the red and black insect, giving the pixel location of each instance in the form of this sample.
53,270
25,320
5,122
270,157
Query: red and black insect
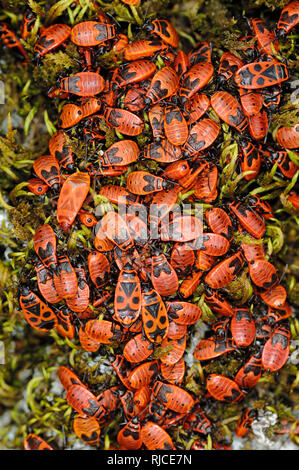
229,110
156,119
203,261
162,151
134,99
51,38
249,219
61,151
68,377
242,327
133,72
36,312
118,194
138,349
221,327
183,313
218,303
214,244
129,437
197,421
197,77
141,399
101,241
261,206
99,268
289,18
80,301
65,326
164,84
229,64
252,250
263,273
173,373
196,106
245,421
176,348
258,125
65,279
87,219
266,38
190,284
154,316
44,244
177,170
37,186
35,442
116,229
121,153
123,121
45,283
143,375
173,397
109,401
205,187
288,137
142,48
175,126
275,297
143,183
271,97
27,24
277,348
191,177
213,347
127,297
164,30
287,167
181,63
249,374
155,438
224,389
87,428
70,115
182,258
224,272
182,228
83,84
163,276
219,222
202,52
11,41
251,101
201,136
46,167
82,400
72,195
261,74
250,161
92,33
126,398
87,343
104,331
275,315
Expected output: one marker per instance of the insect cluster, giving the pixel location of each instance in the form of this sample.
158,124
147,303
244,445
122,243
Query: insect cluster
133,288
